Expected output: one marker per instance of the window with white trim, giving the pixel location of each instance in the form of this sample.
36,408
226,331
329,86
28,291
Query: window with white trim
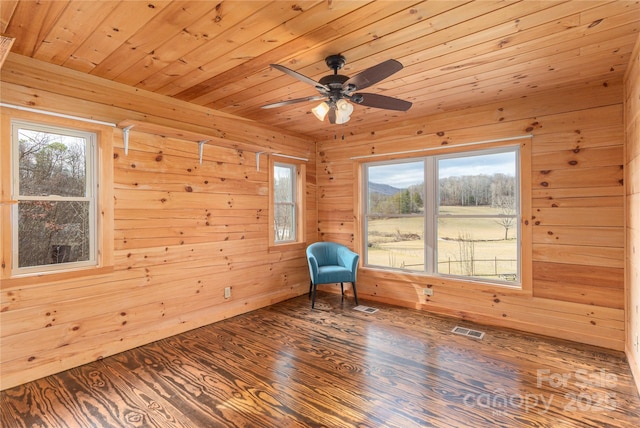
54,181
454,215
285,202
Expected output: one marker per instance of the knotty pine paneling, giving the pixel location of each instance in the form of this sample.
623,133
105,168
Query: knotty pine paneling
575,213
27,82
583,236
182,230
632,200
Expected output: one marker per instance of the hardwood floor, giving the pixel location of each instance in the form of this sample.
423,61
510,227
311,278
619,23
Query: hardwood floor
290,366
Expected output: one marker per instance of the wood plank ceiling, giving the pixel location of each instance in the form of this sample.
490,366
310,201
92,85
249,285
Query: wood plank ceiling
455,54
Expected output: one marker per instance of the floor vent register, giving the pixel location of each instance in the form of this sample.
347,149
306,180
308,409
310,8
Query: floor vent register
468,332
366,309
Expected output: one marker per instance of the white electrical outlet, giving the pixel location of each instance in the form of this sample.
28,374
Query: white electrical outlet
227,292
427,291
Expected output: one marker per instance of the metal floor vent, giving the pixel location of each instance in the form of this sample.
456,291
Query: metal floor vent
468,332
366,309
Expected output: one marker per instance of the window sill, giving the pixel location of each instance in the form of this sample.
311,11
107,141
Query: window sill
23,280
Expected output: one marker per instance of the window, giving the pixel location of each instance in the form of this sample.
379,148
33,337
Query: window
287,201
452,215
54,180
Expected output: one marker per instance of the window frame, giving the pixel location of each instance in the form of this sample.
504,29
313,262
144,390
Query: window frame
298,193
91,194
431,211
104,200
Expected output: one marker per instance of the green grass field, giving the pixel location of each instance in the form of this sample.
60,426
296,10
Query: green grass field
484,251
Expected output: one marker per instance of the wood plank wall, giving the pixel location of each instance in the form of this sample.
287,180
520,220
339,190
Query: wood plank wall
632,180
182,230
573,254
576,287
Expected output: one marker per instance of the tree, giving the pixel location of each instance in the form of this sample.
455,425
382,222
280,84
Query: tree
503,188
404,202
507,210
417,204
466,251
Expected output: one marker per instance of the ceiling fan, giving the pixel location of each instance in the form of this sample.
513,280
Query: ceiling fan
336,90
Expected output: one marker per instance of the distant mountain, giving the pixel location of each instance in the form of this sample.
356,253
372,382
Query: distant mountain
383,189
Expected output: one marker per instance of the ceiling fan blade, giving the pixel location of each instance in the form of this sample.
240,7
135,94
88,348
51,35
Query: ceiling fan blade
372,75
300,77
380,101
293,101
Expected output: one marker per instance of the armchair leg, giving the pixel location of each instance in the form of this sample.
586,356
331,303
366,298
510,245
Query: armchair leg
342,287
310,287
313,299
355,294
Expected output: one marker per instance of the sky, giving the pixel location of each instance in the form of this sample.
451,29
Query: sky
405,174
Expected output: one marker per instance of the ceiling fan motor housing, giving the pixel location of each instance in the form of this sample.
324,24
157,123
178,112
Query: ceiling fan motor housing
335,62
334,81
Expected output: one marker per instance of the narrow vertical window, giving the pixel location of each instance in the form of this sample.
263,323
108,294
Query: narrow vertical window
54,182
285,202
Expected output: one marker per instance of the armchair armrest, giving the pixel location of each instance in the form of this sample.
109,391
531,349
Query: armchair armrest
348,259
313,267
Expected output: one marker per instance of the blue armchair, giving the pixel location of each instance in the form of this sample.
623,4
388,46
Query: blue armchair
330,263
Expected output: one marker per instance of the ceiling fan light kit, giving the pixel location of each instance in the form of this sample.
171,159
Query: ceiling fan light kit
320,111
343,111
336,90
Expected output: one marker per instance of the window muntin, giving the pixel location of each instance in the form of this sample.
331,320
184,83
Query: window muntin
54,181
285,202
466,226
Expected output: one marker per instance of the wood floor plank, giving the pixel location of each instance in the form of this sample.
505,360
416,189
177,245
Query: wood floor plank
290,366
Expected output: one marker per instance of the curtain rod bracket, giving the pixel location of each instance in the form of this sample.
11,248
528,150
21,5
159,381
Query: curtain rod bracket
201,144
125,137
258,160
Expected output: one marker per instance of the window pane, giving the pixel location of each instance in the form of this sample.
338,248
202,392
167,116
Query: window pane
396,188
395,221
284,222
53,232
51,164
396,242
469,182
477,216
479,247
283,184
284,200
